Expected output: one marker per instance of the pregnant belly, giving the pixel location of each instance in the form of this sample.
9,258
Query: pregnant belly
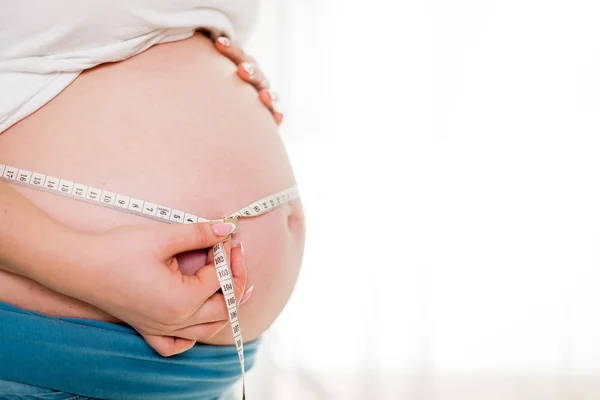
173,126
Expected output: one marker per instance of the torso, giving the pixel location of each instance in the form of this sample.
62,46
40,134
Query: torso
175,126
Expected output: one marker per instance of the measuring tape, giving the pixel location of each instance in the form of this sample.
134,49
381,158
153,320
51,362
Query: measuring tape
161,213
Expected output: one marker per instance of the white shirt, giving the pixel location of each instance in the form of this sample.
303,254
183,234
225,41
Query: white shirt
46,44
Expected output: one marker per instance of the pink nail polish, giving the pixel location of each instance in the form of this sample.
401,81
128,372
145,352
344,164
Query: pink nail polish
278,117
223,228
224,41
248,67
247,295
274,96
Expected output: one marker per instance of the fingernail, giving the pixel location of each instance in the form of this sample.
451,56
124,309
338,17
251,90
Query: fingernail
224,41
276,108
243,251
273,95
275,104
248,67
247,295
278,117
223,228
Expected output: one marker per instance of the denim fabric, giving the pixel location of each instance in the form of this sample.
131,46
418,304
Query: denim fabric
10,390
101,360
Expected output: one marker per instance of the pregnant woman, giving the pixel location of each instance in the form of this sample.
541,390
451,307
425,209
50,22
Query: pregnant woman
131,97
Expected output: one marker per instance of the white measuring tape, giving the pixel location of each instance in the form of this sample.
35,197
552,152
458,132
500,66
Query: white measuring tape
161,213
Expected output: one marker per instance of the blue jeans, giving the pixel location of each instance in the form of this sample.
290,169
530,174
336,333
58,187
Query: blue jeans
10,390
72,358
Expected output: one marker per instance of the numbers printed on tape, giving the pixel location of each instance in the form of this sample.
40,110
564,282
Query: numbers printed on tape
190,219
230,300
149,208
177,216
219,260
24,176
93,194
38,179
80,190
65,186
222,274
136,205
227,287
122,201
10,173
162,213
108,198
51,183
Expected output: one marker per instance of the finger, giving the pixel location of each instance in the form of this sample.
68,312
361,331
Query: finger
201,332
210,258
200,287
168,346
178,238
203,284
223,326
248,69
251,73
214,308
278,117
270,100
238,269
235,53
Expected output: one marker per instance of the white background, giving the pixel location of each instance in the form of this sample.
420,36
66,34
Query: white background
447,154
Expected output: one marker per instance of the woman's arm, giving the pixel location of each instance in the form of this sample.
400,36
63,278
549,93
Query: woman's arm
107,271
29,239
129,272
49,240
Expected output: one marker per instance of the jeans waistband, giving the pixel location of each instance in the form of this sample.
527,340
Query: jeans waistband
107,361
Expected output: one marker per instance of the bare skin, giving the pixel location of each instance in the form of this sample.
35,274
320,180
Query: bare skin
250,72
175,126
138,281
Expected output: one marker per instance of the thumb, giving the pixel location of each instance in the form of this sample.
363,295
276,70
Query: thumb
177,238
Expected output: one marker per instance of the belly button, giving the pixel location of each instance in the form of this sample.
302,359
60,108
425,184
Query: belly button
295,216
